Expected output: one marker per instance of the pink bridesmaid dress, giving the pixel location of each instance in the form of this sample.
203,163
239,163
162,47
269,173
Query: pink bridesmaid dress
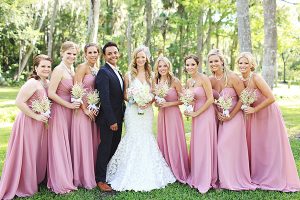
171,138
84,142
26,157
60,173
272,162
233,161
203,147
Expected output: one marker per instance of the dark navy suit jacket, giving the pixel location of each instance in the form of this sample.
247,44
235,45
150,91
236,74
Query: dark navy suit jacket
111,96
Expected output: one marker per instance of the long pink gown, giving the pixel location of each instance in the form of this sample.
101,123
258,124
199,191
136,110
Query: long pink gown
203,147
272,162
171,138
84,142
233,161
60,173
26,157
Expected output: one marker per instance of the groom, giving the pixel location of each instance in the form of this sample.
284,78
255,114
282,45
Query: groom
110,85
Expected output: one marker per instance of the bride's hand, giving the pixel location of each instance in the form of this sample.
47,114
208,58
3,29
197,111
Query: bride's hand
145,106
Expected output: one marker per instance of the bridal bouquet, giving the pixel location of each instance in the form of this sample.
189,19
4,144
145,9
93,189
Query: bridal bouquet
92,100
42,106
186,97
139,95
224,102
247,97
77,93
160,91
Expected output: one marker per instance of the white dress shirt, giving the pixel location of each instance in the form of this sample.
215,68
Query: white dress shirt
117,73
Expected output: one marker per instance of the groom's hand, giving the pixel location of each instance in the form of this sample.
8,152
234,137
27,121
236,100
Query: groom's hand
114,127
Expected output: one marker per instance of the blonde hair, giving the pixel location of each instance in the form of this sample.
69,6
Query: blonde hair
250,59
133,65
218,52
170,69
68,45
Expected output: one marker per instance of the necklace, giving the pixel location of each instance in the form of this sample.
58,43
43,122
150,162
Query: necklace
247,78
193,83
94,70
69,70
218,78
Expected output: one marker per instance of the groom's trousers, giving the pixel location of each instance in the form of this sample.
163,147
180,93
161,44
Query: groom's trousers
106,149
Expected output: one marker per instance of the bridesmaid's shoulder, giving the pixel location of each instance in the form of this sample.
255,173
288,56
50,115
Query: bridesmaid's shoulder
82,66
257,77
31,83
176,81
234,76
58,69
204,77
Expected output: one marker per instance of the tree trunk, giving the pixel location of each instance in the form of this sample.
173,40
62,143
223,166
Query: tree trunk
51,31
129,39
200,39
244,31
31,47
109,17
148,10
93,21
270,41
208,39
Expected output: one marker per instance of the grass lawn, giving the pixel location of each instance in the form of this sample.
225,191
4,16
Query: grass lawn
288,99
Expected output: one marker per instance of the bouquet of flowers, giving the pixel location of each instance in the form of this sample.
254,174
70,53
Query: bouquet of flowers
77,93
160,91
224,102
247,97
186,97
140,95
92,100
42,106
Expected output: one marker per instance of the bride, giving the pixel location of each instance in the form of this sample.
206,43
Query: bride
138,164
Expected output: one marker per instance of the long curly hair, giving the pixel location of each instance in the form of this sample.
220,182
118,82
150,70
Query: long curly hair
170,75
133,65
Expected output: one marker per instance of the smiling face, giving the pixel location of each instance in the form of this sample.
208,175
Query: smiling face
215,63
163,68
43,70
244,65
92,54
191,66
111,55
141,59
69,56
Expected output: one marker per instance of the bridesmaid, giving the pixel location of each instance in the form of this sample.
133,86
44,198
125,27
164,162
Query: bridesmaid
203,147
170,130
84,136
26,157
233,162
272,162
60,173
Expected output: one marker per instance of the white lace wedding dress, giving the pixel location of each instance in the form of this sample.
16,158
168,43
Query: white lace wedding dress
138,163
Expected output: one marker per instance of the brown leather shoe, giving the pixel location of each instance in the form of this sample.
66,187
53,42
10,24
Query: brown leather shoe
104,187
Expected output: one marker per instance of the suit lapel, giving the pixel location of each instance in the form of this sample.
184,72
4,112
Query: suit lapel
114,75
